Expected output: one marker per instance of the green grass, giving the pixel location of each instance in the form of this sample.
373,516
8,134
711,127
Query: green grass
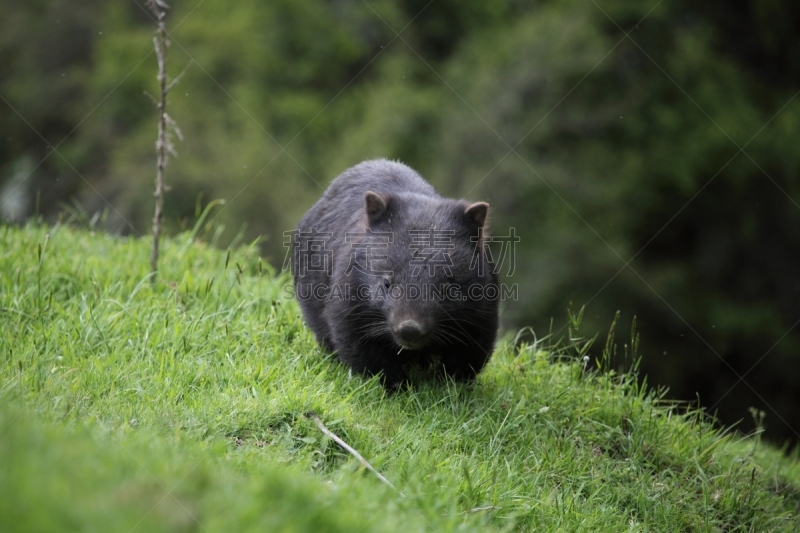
180,407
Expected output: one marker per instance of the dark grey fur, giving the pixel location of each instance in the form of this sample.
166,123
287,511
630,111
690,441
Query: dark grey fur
370,331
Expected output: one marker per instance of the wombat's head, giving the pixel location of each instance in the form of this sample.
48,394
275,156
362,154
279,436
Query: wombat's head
427,267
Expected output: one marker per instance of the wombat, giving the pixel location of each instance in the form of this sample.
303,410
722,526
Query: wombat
389,272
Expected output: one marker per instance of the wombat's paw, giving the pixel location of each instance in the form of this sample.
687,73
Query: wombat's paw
395,383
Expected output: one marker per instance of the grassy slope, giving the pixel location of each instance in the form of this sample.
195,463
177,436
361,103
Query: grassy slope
180,408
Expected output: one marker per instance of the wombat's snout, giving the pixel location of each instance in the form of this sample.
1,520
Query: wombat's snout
411,334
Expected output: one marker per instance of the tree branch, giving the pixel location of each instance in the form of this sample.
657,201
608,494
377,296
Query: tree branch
161,44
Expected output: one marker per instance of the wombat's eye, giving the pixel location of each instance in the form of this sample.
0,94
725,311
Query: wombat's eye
451,279
387,282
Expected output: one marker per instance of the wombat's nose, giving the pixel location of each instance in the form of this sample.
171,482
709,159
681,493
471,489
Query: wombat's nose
409,331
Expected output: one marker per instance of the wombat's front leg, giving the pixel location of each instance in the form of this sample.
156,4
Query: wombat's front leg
464,363
371,359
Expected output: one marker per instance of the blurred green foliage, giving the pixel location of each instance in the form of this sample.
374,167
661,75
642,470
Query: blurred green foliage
625,148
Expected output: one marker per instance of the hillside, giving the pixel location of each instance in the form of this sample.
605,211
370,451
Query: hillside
181,407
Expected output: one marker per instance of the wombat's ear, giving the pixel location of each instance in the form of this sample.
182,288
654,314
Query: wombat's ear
375,203
478,212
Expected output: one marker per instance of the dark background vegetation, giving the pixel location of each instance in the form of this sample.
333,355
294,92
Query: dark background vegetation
656,173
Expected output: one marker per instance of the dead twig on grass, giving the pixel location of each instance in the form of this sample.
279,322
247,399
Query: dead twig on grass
313,416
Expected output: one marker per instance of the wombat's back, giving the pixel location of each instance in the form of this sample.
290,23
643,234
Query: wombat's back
378,175
341,207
